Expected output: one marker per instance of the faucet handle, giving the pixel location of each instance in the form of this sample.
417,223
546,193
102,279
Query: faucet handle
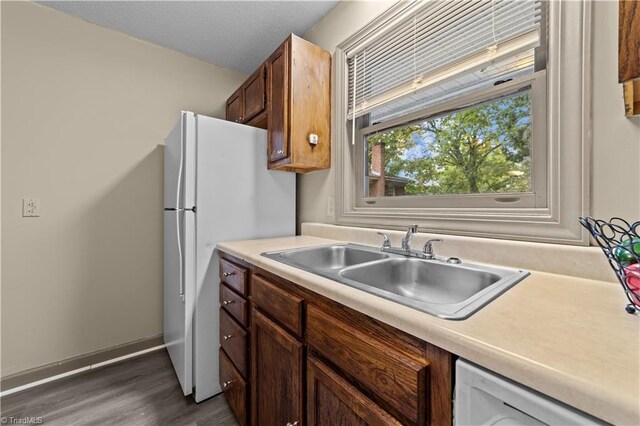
386,243
428,246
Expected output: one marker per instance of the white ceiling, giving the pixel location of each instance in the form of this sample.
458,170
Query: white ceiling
233,34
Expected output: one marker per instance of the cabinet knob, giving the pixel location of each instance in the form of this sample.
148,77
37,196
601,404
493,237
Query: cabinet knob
280,152
227,337
226,384
227,302
228,274
292,424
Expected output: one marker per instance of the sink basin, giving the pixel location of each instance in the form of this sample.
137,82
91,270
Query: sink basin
330,257
423,280
450,291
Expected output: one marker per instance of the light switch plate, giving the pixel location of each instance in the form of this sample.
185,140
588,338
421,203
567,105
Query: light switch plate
30,207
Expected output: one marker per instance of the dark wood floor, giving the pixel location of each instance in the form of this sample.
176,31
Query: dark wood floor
138,391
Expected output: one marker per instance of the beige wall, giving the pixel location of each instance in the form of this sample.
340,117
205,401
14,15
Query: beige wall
343,20
85,112
616,139
615,180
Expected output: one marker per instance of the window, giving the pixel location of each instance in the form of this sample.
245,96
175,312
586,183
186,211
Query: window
481,149
452,119
478,155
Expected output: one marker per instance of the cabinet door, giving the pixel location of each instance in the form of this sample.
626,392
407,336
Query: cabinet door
331,400
278,111
254,94
276,373
393,379
234,107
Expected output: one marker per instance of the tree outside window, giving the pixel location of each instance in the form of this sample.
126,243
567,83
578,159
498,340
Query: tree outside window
481,149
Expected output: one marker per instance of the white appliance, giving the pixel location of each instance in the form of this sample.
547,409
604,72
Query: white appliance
484,398
217,188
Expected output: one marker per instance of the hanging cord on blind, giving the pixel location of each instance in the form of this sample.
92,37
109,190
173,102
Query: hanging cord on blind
353,104
416,80
363,99
493,50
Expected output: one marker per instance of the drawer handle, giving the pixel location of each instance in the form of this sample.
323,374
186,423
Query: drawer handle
227,337
226,384
228,302
280,152
292,424
228,274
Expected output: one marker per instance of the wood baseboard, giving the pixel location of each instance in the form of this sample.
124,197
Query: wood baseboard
55,368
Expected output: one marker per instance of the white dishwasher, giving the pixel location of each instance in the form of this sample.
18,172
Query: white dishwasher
484,398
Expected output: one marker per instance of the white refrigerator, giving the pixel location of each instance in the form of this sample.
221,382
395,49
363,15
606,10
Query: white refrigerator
217,188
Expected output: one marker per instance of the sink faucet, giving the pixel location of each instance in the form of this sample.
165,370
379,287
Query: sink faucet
406,241
427,250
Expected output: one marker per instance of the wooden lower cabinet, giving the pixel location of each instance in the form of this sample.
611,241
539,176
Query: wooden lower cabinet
395,380
234,336
332,400
277,374
234,388
311,360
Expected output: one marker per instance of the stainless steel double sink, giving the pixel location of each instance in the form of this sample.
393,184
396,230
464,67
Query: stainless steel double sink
451,291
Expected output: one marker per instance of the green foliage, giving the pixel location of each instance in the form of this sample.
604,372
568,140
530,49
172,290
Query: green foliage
482,149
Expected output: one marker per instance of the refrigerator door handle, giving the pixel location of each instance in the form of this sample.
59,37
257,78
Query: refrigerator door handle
181,268
181,259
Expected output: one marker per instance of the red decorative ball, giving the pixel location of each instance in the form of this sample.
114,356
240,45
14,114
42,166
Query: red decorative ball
632,277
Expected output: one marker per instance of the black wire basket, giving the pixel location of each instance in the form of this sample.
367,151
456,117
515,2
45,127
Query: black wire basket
620,242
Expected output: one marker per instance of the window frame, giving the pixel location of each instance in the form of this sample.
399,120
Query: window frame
535,199
567,110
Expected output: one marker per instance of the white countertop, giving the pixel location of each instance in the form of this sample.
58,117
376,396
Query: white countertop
566,337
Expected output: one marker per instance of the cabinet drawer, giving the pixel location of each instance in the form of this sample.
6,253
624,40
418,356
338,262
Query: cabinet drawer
234,388
233,340
234,304
235,276
279,304
394,380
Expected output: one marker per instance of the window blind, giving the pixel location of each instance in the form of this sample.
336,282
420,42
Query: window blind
441,47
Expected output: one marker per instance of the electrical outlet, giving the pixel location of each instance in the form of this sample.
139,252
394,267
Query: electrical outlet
30,207
331,206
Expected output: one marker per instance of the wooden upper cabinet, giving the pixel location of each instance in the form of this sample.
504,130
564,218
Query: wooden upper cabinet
293,102
629,54
276,374
278,82
234,106
248,104
254,95
301,107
